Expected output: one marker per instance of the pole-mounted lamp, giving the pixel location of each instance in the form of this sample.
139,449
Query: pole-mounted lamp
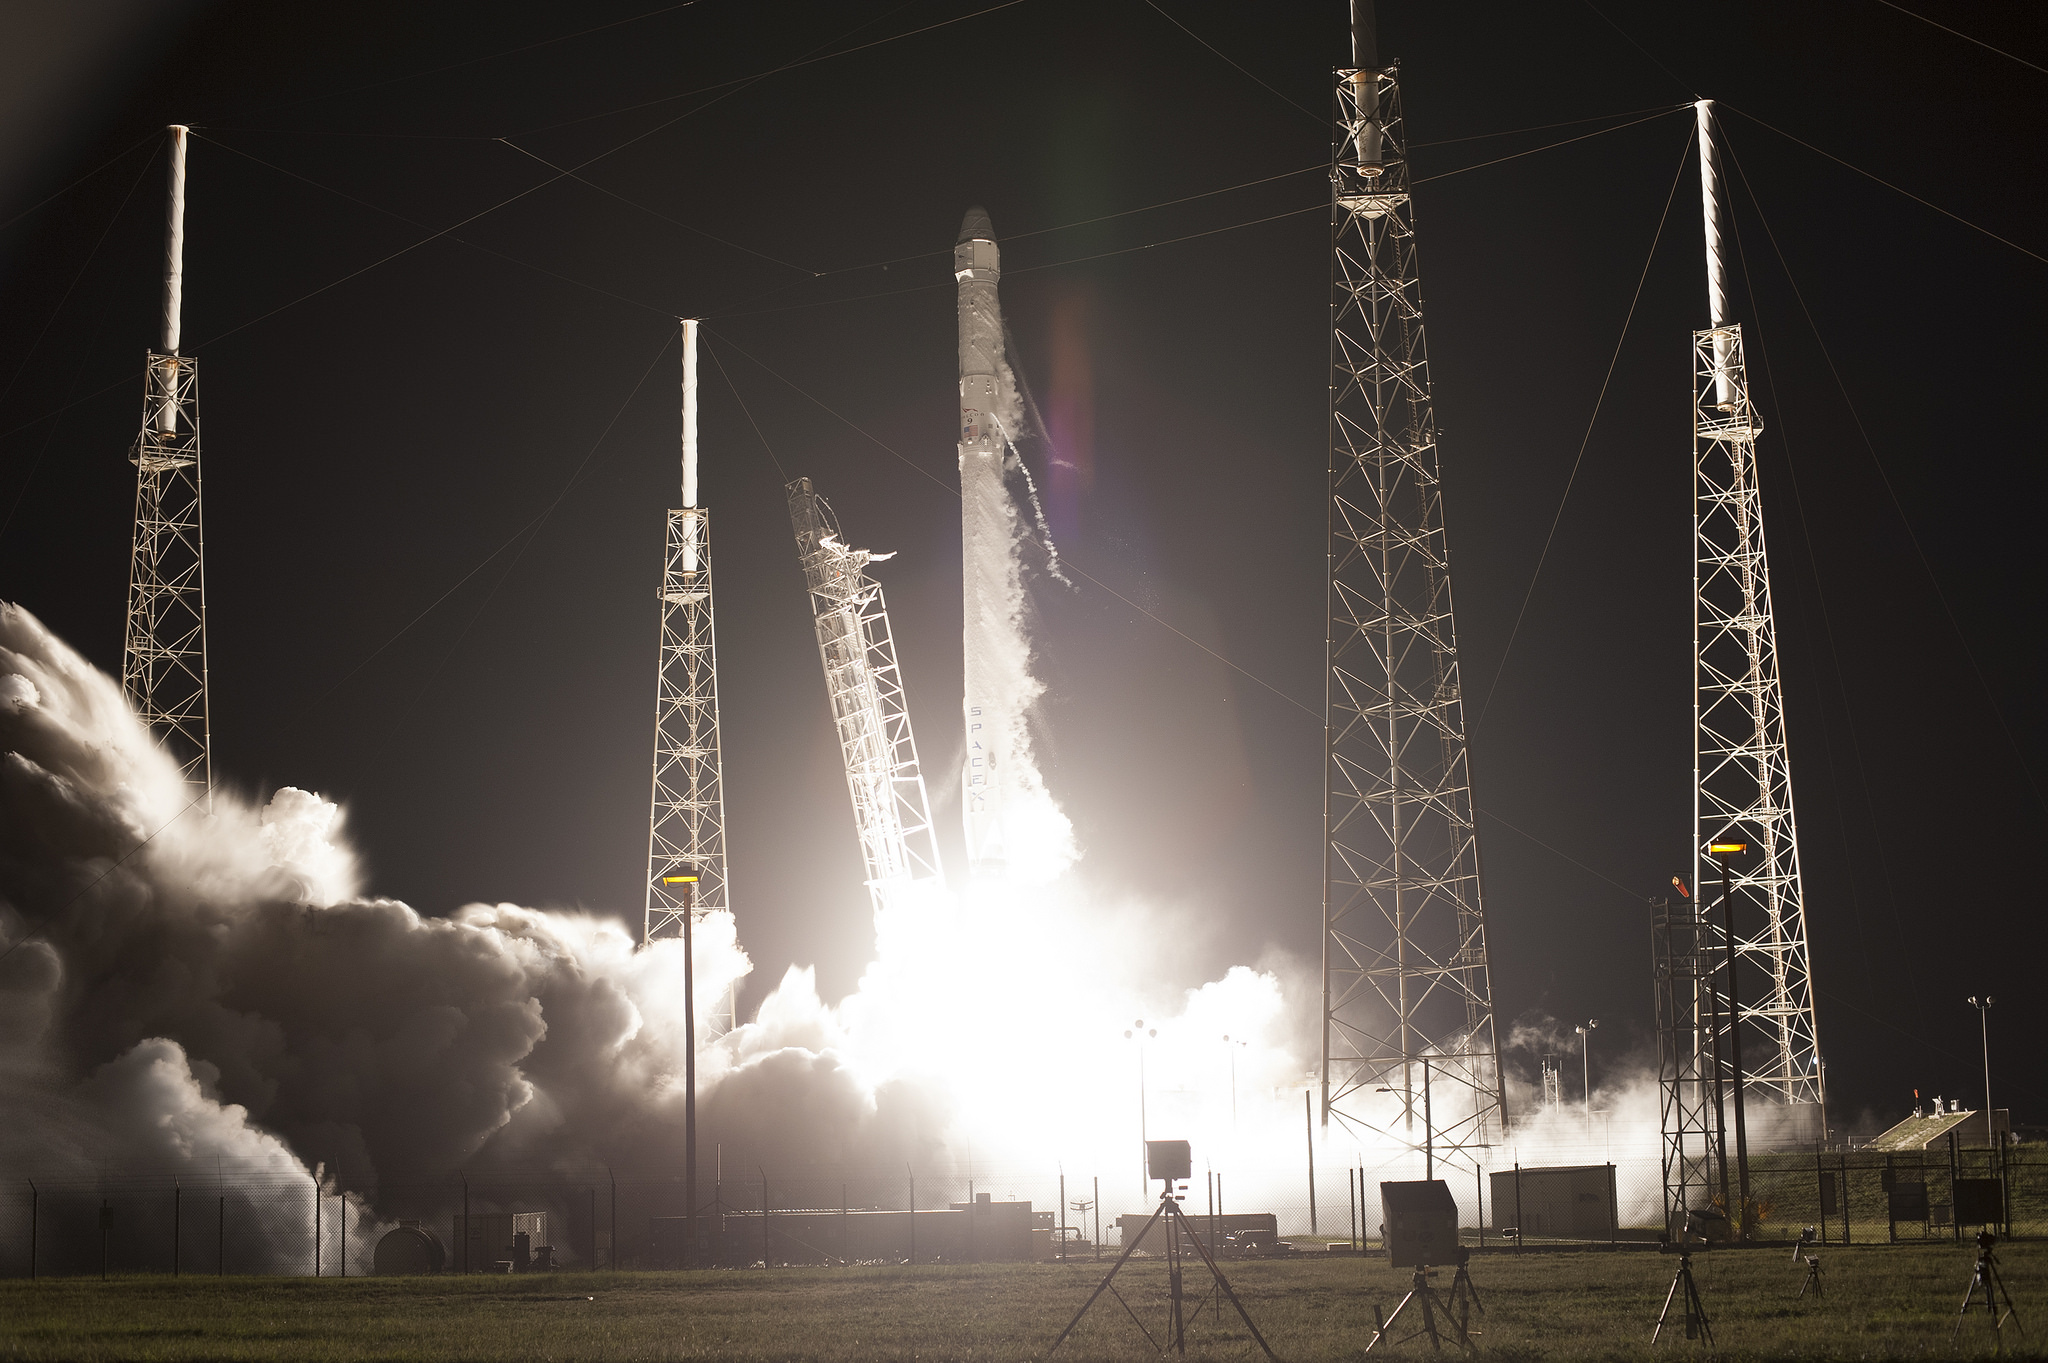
1721,851
1983,1007
686,878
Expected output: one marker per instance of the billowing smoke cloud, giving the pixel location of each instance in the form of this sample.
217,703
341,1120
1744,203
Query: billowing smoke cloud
181,986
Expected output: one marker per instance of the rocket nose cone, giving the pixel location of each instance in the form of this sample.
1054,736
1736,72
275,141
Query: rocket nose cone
976,226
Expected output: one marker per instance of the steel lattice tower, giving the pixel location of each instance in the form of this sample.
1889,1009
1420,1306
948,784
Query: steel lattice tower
1687,951
890,809
163,655
1407,999
686,821
1742,773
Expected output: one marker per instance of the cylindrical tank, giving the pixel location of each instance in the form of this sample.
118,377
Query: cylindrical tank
410,1249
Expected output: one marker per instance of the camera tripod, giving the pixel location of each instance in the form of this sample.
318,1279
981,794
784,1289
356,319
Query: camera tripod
1812,1277
1457,1311
1696,1326
1986,1277
1177,1227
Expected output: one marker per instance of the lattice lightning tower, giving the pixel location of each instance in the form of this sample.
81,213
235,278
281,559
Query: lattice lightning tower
1741,768
686,822
163,655
1405,975
890,809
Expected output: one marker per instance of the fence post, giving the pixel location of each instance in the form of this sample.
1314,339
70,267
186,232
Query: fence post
1955,1222
1063,1215
177,1223
1820,1192
106,1227
343,1199
1613,1208
913,1212
1891,1183
35,1200
1845,1201
614,1213
316,1225
592,1259
765,1260
1478,1193
1521,1231
220,1240
1098,1211
1308,1116
463,1234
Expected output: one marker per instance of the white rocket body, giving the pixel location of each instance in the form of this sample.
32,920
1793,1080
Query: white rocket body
989,572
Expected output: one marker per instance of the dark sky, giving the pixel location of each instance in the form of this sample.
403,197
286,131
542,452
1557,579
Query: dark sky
378,452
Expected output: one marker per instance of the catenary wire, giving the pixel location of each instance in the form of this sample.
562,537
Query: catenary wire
69,289
532,524
1898,506
1320,119
477,61
1481,165
1586,441
1964,36
43,203
1784,443
1248,674
743,81
669,311
465,241
1926,203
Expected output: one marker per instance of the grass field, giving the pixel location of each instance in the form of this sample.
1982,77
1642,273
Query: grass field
1880,1302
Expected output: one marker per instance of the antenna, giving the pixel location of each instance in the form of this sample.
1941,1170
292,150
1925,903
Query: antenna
1742,771
163,655
686,814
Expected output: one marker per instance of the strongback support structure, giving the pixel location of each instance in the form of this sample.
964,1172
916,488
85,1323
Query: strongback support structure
163,655
1405,973
686,819
1742,774
891,811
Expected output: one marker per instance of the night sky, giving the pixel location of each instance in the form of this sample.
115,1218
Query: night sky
436,473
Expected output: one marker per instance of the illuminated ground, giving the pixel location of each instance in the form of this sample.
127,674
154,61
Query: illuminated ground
1881,1302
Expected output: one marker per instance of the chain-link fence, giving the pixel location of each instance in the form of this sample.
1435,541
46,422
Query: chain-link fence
501,1221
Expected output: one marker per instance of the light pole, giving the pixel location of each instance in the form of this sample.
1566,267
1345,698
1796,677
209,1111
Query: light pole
1983,1007
1722,851
686,876
1234,1047
1585,1031
1138,1032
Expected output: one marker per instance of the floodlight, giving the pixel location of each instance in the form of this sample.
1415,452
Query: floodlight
1718,848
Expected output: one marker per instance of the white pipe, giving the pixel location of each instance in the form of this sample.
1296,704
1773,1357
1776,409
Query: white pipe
690,533
174,284
174,244
1717,292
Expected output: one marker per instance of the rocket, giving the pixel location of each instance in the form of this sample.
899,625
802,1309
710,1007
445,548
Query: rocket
988,564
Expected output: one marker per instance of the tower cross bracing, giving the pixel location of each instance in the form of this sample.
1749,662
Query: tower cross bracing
686,818
1405,969
1741,760
891,810
163,651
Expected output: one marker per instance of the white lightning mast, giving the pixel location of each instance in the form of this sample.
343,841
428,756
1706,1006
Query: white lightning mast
1742,773
1407,992
890,809
686,821
163,657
